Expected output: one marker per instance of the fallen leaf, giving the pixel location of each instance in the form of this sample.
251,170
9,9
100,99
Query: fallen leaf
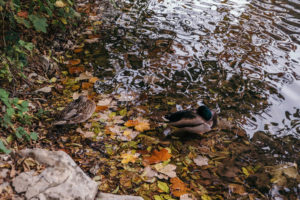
73,62
90,41
178,187
139,124
60,4
168,169
157,156
128,135
131,123
201,160
142,126
104,102
163,186
76,70
23,14
46,89
76,94
237,189
93,79
101,108
84,76
187,197
86,85
78,50
129,157
205,197
85,134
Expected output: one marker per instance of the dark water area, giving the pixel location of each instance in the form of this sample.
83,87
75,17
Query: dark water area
239,57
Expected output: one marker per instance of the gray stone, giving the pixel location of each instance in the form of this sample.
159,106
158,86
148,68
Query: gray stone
106,196
62,178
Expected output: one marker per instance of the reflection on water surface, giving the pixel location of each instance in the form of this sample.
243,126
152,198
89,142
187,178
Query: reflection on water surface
242,57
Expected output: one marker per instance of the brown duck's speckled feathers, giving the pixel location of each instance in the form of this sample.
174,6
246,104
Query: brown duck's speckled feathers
77,111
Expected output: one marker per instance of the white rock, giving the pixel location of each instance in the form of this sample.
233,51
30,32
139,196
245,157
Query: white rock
106,196
62,179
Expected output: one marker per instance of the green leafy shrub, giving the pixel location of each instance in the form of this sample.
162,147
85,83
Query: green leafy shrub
13,116
23,21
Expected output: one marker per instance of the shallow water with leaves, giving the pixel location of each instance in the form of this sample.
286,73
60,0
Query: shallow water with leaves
241,57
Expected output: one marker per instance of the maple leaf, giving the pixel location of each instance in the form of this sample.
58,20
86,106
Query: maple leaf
129,157
178,187
139,124
131,123
142,126
157,156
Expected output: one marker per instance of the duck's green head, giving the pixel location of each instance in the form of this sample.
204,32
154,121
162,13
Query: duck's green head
204,112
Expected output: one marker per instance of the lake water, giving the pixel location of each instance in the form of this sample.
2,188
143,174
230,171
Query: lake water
239,57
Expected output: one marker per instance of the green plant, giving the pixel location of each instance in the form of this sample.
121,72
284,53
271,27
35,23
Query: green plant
14,59
25,20
14,116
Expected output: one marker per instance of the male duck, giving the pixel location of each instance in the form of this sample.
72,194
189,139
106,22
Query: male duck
197,121
77,111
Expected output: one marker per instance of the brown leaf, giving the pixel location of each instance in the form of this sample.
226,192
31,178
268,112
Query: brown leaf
237,189
78,50
178,187
73,62
86,85
100,108
93,79
76,70
157,156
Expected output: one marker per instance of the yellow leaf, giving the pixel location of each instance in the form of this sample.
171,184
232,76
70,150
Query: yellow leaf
205,197
97,23
53,80
129,157
142,126
163,186
245,171
63,20
60,4
127,132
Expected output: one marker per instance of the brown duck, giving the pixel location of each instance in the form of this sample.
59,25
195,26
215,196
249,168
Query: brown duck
77,111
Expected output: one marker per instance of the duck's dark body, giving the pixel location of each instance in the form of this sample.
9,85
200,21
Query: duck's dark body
195,121
77,111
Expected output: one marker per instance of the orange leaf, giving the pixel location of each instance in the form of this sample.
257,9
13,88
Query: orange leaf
78,50
100,108
178,187
86,85
93,80
157,156
94,36
142,126
131,123
76,70
73,62
23,14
